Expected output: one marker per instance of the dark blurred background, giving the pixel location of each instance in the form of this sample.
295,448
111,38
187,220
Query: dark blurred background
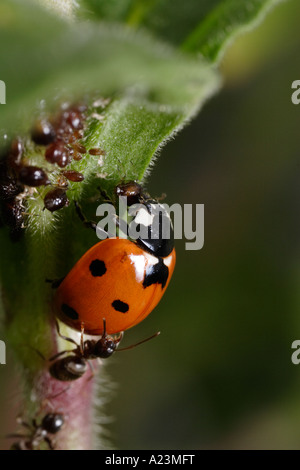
220,375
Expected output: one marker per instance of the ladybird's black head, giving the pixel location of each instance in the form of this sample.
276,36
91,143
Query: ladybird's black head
69,368
53,422
155,228
151,220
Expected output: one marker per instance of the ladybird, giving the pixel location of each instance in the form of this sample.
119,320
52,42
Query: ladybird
119,279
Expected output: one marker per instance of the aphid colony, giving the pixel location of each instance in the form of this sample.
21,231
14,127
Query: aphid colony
61,138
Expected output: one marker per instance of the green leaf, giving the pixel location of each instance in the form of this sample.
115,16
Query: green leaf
59,60
203,26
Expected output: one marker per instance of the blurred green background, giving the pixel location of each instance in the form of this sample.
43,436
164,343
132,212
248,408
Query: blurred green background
220,375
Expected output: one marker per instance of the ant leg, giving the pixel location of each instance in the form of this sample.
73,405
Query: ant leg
55,283
17,436
23,423
104,195
86,222
41,355
53,358
49,442
89,224
119,338
92,370
104,334
82,339
66,338
34,423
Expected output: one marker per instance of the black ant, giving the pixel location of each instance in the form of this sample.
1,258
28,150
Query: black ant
76,363
38,433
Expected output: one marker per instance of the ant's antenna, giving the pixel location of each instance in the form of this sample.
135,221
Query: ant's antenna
140,342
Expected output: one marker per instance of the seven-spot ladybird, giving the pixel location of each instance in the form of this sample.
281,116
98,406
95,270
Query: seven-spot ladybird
37,434
119,279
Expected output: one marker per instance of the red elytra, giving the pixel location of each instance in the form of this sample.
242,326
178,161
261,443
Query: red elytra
116,280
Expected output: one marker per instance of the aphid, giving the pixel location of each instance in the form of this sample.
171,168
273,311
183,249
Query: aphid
12,213
9,185
33,176
43,133
77,362
58,153
50,425
56,199
15,154
97,152
73,175
132,190
79,148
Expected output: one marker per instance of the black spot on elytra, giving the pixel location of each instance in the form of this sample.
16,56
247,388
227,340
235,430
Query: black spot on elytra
156,274
97,268
69,312
120,306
